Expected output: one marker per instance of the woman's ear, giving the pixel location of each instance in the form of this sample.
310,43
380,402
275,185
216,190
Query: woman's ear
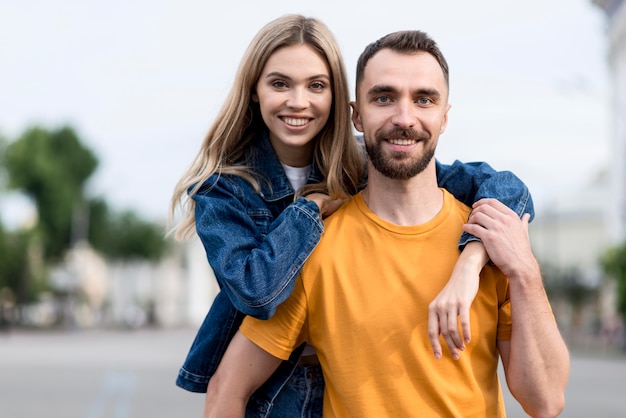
255,97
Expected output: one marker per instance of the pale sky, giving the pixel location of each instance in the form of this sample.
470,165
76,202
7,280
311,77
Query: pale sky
141,80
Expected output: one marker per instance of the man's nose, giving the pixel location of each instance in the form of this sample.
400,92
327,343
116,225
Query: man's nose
405,114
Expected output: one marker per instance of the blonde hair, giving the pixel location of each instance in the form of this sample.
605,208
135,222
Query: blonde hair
337,153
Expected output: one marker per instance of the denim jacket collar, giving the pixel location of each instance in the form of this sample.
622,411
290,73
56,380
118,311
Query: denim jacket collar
264,161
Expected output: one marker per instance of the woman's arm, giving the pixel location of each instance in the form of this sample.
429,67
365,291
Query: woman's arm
469,182
255,257
454,302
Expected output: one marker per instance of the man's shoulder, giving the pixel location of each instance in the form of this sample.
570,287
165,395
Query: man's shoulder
456,205
347,210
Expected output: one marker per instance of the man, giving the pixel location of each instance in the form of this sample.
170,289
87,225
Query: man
358,300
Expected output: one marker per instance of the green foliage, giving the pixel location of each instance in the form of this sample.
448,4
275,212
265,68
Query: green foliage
9,264
3,147
18,270
613,262
51,167
123,235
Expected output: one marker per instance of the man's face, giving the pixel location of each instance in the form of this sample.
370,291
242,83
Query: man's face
402,107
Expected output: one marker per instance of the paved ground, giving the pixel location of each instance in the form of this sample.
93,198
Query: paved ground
106,374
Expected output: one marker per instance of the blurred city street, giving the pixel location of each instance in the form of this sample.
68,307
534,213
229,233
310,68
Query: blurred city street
117,374
95,374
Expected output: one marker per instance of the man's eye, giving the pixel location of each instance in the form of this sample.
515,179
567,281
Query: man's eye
383,99
424,100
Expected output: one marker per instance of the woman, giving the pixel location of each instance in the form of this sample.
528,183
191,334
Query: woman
279,157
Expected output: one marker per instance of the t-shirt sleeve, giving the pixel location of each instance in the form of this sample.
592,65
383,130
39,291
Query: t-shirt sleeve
284,331
505,322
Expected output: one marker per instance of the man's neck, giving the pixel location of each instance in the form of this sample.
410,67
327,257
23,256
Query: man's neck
404,202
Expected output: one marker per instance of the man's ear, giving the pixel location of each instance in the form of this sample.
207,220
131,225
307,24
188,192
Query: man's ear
356,117
444,122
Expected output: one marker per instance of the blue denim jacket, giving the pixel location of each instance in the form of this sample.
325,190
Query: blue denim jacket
256,243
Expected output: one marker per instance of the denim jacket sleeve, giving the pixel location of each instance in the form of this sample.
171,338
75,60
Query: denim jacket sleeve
255,256
470,182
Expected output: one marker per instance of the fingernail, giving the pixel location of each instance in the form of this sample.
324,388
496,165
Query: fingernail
437,356
456,356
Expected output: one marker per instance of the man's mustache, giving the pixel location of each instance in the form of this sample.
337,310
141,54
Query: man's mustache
402,133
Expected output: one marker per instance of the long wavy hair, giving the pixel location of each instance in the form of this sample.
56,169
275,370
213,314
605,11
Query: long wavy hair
337,152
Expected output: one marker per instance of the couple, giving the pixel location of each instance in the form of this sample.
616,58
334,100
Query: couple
375,294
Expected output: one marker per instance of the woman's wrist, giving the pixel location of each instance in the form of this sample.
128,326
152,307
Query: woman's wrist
474,255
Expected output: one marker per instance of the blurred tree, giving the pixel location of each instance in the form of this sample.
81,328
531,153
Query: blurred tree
613,262
14,271
8,270
124,235
3,148
20,266
52,168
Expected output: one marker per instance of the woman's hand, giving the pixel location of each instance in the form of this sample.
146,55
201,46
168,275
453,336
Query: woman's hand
327,205
454,301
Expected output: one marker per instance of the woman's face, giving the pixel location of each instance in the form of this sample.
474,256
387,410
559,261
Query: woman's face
295,96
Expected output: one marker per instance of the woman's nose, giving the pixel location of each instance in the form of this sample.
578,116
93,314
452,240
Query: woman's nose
297,99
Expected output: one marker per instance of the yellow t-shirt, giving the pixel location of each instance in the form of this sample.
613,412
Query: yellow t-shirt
362,301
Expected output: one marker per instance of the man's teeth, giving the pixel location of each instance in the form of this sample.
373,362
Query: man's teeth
296,121
402,141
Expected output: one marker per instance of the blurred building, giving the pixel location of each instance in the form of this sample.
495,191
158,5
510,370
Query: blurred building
200,283
569,237
91,291
615,11
576,227
178,291
571,232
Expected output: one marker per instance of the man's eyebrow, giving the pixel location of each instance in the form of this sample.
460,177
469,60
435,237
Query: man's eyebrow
380,88
384,88
434,93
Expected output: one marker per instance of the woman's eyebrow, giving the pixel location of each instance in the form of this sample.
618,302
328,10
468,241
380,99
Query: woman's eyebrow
285,76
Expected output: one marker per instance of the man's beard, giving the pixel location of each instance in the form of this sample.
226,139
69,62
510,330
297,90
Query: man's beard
398,165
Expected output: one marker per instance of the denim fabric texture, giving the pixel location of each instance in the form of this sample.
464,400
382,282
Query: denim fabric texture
470,182
301,395
256,244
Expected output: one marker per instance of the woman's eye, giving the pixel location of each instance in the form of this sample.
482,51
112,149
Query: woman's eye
318,85
279,84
